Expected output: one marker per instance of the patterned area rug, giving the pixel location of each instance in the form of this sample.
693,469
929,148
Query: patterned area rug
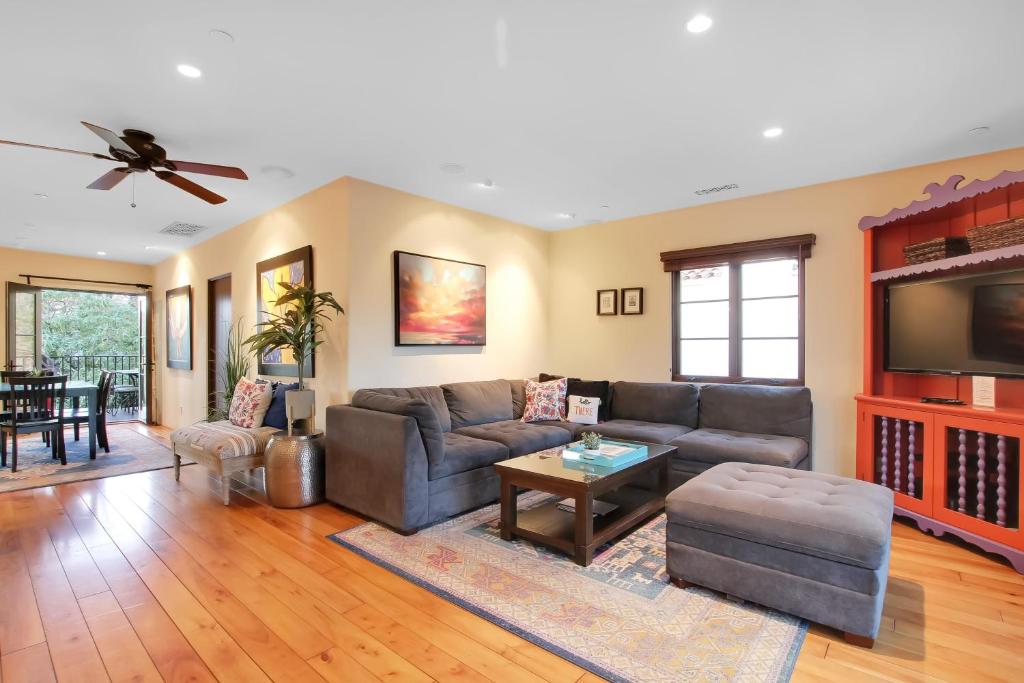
129,452
618,618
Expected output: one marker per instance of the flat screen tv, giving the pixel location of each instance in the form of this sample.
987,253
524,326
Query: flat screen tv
968,325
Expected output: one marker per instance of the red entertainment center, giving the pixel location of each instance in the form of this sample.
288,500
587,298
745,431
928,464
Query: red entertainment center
953,468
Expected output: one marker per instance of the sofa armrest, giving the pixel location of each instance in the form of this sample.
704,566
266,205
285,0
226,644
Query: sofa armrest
376,466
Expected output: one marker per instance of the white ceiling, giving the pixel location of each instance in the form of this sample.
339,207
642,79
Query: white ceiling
567,105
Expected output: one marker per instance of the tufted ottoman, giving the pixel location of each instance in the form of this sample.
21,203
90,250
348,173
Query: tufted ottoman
811,544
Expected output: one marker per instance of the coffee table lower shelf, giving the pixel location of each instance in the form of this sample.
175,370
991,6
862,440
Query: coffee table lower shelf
550,526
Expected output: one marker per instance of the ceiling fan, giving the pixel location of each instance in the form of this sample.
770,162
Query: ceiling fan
139,151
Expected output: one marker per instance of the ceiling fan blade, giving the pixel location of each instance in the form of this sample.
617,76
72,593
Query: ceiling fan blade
190,187
109,179
208,169
110,137
57,149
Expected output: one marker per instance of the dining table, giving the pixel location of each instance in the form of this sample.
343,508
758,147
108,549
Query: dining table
76,390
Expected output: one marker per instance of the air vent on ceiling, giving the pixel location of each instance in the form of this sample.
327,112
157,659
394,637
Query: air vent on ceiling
183,229
717,188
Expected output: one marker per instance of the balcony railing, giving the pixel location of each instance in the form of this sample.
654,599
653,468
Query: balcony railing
88,368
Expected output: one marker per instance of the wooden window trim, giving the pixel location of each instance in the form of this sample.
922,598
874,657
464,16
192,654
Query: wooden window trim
734,255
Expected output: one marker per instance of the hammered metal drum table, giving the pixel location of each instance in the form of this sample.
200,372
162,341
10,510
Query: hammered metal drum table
294,469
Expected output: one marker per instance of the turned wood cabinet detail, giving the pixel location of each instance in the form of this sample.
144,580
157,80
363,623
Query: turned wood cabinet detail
952,468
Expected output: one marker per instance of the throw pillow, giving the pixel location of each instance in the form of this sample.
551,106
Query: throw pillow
249,403
600,389
276,416
583,409
545,400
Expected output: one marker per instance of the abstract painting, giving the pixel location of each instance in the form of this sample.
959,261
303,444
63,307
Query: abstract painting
295,268
179,327
439,302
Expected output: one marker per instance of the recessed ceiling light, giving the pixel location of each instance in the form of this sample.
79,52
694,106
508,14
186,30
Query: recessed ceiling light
605,207
699,24
41,195
566,215
979,130
189,71
221,35
452,168
772,132
101,253
486,183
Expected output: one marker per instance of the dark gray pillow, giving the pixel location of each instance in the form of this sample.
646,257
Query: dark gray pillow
418,409
670,403
474,403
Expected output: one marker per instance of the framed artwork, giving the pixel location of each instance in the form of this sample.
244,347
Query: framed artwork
295,268
179,327
439,302
632,301
607,302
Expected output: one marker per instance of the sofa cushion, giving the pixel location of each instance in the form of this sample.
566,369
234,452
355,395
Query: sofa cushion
670,403
590,388
520,437
636,430
545,400
785,411
473,403
723,445
822,515
464,453
418,409
518,387
433,396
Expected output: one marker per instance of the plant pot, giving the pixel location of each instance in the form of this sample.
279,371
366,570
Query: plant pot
300,407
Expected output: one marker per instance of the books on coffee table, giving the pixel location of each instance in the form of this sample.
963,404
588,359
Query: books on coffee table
601,508
611,453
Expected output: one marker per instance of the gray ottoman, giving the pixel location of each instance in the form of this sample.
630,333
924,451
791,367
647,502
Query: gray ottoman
814,545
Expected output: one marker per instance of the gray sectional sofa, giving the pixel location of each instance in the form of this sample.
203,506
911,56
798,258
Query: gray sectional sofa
411,457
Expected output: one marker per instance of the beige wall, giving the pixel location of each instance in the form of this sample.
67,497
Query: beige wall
317,218
383,220
625,254
14,262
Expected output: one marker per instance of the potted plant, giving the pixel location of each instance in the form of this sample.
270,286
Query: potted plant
236,366
300,328
591,443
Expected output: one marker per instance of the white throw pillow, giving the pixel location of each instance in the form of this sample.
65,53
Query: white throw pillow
583,409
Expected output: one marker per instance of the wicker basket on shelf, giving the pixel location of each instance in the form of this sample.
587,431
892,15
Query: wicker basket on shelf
933,250
996,235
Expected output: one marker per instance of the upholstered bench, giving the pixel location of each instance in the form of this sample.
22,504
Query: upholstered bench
811,544
221,447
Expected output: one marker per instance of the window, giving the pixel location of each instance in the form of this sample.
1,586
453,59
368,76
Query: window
738,311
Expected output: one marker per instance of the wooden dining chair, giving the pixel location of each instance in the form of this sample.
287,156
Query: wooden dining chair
79,416
35,404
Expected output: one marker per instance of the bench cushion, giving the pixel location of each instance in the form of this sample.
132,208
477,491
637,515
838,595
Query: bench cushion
223,439
821,515
716,446
520,438
638,430
464,453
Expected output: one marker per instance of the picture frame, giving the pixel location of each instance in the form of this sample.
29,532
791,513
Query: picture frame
178,327
632,300
439,301
294,267
607,302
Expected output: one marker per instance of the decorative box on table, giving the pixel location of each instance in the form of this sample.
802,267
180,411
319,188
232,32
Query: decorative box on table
611,453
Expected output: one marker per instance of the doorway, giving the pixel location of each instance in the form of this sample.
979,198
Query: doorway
218,331
81,333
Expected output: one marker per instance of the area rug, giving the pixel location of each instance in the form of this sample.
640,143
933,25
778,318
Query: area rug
129,452
619,618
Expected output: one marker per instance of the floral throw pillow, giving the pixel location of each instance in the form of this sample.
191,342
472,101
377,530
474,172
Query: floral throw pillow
249,403
545,400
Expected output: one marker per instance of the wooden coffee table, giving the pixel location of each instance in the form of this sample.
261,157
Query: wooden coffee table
581,533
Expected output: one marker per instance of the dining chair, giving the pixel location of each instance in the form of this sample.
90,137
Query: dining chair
79,416
35,407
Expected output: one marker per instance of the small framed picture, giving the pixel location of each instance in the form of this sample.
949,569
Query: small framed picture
632,301
607,302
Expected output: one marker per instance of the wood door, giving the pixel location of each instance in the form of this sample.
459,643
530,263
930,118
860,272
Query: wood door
218,329
895,450
978,476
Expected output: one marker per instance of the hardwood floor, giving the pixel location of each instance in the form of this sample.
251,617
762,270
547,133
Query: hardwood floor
140,578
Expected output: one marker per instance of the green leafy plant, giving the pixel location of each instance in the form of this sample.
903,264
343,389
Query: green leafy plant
591,440
236,366
300,328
